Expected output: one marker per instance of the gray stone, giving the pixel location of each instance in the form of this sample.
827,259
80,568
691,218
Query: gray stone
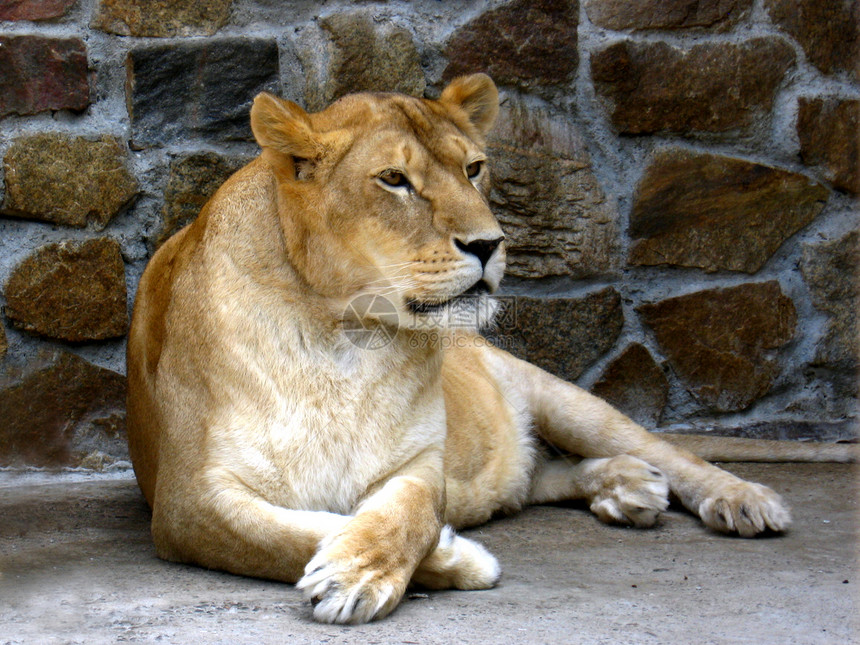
781,430
201,88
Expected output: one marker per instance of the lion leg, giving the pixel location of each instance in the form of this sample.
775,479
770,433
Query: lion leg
619,490
361,571
353,568
580,423
226,526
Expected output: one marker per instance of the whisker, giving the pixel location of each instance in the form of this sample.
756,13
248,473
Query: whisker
386,279
397,264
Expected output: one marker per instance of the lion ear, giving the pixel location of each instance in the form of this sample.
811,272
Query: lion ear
283,126
477,96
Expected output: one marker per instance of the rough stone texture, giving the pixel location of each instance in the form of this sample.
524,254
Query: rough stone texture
711,87
829,32
783,430
700,65
34,9
4,344
61,411
193,180
635,384
713,212
827,392
827,128
365,57
73,291
162,18
561,335
725,363
525,43
666,14
39,74
556,217
68,180
831,271
198,89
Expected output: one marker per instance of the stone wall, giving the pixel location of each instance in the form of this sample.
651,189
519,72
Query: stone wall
677,180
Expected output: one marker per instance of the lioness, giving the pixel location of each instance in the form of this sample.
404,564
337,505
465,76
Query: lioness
268,444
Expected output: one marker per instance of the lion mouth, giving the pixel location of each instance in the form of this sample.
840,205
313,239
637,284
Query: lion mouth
480,288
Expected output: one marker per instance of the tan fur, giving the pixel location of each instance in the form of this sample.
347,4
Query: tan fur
269,444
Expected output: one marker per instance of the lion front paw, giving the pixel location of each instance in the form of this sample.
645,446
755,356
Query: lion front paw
349,589
628,491
744,508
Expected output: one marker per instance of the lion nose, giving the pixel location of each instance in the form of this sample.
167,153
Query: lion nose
481,249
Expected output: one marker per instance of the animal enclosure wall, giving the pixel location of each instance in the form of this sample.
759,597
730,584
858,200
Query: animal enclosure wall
677,182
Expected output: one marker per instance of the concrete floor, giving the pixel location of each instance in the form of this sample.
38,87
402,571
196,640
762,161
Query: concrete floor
78,567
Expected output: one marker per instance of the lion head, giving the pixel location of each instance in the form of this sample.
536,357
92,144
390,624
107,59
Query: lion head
386,195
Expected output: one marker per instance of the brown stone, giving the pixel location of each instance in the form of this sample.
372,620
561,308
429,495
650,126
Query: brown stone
60,410
39,74
4,344
720,341
667,14
562,335
525,43
635,385
556,218
831,271
68,180
829,32
34,9
193,180
828,131
71,290
162,18
712,87
713,212
365,56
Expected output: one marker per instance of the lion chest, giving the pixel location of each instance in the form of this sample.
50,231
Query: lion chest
317,442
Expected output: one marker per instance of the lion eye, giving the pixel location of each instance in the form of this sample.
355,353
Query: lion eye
394,178
474,169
